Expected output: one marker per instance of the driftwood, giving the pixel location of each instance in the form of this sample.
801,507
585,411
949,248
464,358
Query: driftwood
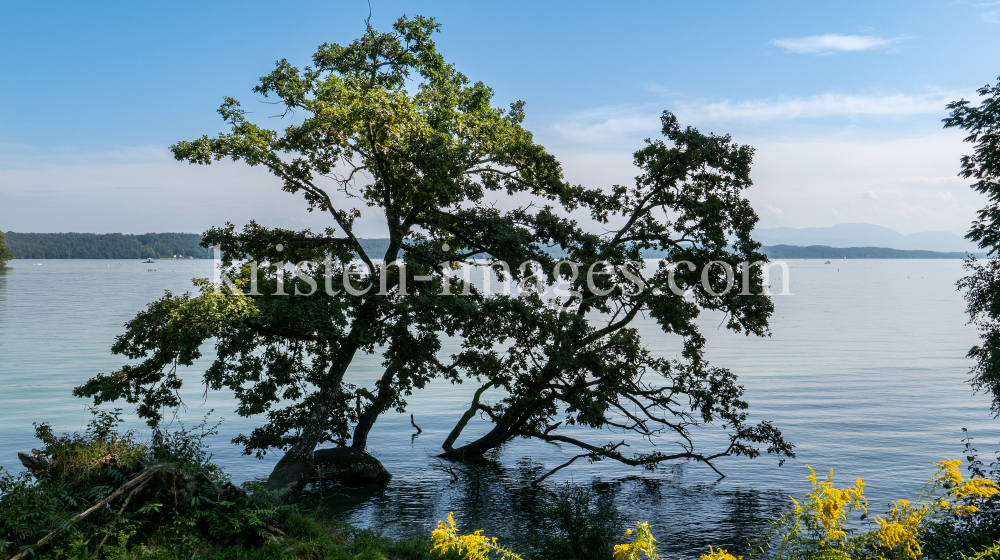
35,463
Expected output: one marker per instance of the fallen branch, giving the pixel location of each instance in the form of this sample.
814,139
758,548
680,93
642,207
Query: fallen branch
120,512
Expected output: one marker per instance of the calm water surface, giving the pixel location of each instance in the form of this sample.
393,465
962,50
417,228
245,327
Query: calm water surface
865,372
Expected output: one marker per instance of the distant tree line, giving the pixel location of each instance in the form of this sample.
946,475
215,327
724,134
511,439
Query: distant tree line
121,246
105,246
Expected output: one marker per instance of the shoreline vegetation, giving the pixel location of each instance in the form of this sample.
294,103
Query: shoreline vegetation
188,245
115,494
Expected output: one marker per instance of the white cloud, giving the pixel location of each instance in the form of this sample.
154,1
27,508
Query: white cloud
831,43
614,124
603,123
825,105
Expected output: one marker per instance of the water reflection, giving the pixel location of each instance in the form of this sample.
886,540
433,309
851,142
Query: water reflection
500,499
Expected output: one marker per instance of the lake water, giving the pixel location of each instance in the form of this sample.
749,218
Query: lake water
865,372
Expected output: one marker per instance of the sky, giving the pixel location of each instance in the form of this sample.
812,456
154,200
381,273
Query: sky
842,101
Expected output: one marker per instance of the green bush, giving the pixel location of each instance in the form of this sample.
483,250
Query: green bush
105,492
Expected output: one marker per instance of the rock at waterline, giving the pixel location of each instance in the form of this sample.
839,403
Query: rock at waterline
339,464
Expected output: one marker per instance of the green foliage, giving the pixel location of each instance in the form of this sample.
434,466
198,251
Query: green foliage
5,254
105,246
428,151
578,361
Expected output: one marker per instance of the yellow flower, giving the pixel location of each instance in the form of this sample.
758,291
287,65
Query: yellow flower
948,471
720,554
828,506
977,488
643,546
899,531
950,476
472,547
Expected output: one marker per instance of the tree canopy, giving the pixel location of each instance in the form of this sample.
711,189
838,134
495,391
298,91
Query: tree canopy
982,285
385,122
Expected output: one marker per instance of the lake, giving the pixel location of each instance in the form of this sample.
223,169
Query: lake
865,373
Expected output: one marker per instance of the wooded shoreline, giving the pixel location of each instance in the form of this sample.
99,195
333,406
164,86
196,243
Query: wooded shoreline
185,245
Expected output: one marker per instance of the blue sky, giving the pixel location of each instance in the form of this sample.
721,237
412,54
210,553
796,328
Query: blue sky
842,100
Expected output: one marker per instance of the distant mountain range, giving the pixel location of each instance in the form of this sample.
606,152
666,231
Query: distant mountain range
865,236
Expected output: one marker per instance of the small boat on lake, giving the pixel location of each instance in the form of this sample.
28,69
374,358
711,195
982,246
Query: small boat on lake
148,261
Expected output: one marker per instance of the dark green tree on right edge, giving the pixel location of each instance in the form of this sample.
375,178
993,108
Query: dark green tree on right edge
982,285
5,254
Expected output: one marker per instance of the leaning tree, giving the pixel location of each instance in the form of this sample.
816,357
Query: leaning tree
982,285
579,361
385,122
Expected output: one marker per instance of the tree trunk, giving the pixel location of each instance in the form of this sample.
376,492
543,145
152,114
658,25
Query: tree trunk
379,404
319,417
507,427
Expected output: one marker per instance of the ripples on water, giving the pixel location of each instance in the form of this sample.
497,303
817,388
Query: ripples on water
865,373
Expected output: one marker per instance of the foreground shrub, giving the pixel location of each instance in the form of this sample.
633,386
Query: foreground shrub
103,492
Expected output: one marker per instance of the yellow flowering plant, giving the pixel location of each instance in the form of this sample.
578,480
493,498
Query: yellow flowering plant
947,492
475,546
642,547
719,554
816,527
